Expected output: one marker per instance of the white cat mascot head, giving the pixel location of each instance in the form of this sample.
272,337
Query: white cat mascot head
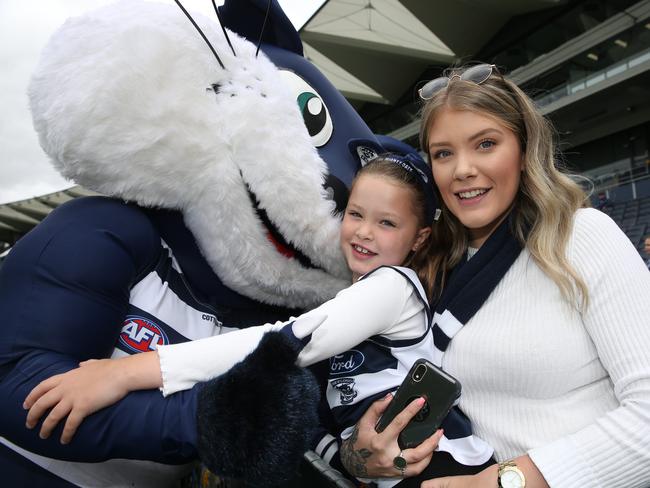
257,150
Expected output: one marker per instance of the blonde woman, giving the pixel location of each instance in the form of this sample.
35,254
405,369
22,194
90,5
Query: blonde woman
549,303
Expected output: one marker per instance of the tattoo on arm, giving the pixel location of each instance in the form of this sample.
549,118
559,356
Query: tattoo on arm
353,459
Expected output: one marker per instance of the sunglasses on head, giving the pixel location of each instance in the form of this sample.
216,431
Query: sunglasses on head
476,74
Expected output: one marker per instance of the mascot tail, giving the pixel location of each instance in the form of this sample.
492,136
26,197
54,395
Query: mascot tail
257,420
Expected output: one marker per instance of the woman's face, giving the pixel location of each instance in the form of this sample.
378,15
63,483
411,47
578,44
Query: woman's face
476,163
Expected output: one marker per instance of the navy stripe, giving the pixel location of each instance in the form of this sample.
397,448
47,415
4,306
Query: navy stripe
177,284
456,425
423,300
327,446
384,341
440,339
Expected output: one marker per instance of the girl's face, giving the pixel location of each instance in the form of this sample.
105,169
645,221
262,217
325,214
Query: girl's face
379,226
477,164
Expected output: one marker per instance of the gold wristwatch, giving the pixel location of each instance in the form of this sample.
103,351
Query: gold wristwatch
510,476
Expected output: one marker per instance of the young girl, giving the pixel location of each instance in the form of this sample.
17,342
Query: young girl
551,300
372,331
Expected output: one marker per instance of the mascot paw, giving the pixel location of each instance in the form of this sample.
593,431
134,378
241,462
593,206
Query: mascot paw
256,421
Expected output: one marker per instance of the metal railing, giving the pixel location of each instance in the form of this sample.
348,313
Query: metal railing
594,78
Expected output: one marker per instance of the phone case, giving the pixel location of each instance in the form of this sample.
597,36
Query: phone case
439,389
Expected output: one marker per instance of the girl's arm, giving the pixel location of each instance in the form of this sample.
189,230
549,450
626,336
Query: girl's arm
96,384
99,383
365,309
369,307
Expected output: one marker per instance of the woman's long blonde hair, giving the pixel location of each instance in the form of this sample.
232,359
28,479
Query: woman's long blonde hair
547,198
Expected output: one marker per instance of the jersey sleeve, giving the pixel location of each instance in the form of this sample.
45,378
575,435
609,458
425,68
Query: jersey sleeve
64,291
65,285
184,364
369,307
615,449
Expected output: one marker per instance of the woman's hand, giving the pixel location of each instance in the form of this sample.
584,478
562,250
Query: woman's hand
368,454
96,384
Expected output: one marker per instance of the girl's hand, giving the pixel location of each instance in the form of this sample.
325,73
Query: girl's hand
76,394
80,392
367,454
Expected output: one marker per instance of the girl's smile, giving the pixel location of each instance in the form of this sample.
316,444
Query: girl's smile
380,225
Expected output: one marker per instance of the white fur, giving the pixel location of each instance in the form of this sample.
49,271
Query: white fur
121,104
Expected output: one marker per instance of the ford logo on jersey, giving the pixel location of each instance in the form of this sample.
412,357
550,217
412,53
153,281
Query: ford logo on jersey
346,362
141,335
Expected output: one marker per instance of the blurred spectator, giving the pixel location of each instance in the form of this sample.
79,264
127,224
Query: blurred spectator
604,202
646,248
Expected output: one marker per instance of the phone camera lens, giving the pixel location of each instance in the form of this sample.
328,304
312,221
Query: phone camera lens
418,374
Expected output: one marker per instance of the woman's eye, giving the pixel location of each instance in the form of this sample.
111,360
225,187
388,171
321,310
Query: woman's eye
443,153
354,214
487,144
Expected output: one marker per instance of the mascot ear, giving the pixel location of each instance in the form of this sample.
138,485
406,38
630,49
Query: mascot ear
246,18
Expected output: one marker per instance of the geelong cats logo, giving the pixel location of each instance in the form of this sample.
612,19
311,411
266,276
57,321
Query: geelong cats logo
345,386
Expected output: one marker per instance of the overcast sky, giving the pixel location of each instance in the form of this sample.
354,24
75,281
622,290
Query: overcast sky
25,27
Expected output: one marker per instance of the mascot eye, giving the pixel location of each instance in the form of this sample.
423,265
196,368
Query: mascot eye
314,112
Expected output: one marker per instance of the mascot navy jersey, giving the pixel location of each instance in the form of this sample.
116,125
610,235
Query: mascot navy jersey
234,175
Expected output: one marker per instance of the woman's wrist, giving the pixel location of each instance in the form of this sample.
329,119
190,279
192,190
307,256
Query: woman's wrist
533,476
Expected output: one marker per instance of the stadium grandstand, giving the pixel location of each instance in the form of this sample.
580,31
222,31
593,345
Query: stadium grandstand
585,62
18,218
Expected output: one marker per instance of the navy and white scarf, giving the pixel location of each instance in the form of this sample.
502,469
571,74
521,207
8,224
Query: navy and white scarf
469,284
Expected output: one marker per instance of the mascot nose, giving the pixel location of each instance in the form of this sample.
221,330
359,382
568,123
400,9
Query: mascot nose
336,191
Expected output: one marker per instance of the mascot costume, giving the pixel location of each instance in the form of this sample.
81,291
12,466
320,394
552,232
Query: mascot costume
225,158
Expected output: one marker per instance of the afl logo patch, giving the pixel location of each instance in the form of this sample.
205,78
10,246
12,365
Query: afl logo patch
347,362
141,335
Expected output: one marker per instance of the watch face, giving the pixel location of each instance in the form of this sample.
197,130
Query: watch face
511,479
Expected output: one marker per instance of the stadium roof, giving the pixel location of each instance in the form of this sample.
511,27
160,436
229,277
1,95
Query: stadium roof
374,50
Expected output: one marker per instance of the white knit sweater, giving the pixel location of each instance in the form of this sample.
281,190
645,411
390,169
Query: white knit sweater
570,389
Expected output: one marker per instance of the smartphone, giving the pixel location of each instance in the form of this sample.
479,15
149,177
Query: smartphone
439,389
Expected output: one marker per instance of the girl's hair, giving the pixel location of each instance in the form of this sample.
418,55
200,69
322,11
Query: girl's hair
386,167
547,197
